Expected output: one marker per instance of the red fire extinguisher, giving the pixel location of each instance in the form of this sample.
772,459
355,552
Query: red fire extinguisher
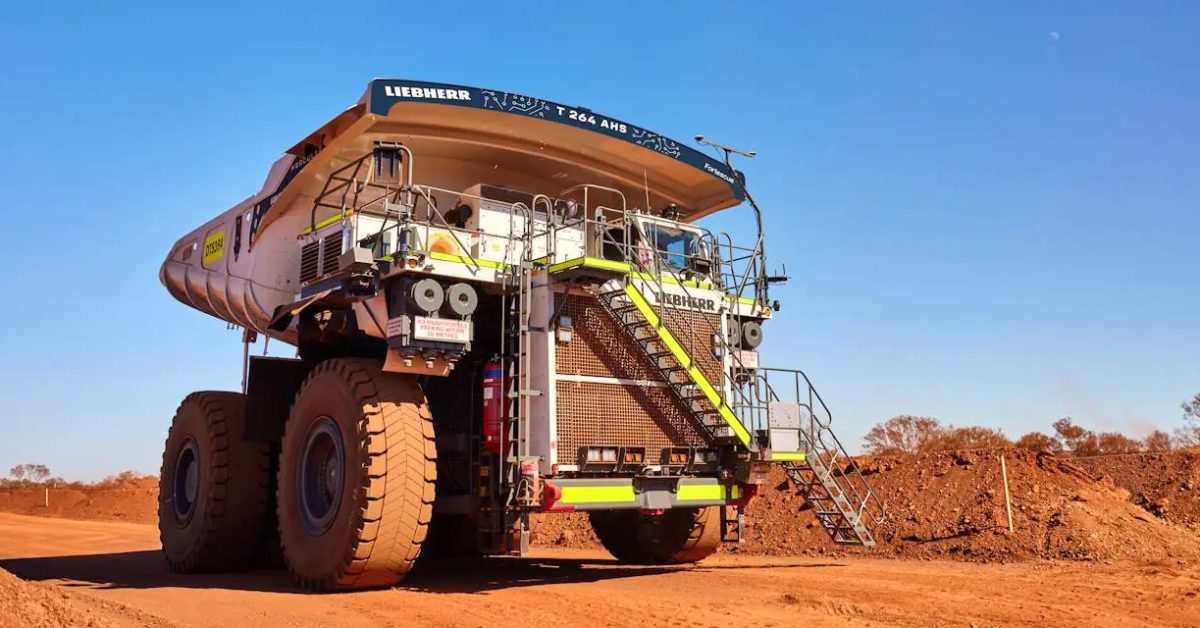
493,404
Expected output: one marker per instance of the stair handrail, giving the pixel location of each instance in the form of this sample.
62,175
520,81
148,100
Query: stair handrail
818,437
656,273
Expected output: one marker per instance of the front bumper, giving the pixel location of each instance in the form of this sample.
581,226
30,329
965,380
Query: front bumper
642,493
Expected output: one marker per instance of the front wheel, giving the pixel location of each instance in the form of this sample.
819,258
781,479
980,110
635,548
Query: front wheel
356,477
679,535
212,490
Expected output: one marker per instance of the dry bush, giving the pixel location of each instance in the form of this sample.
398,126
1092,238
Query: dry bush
121,479
918,434
901,434
1157,440
1038,441
956,438
1114,443
1076,439
1189,434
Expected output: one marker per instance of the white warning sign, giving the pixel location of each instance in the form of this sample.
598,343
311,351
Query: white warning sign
441,329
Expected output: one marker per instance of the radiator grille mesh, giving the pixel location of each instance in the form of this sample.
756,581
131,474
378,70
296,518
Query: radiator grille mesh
331,249
309,258
625,416
603,348
611,414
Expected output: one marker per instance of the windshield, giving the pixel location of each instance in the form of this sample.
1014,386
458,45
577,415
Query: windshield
675,245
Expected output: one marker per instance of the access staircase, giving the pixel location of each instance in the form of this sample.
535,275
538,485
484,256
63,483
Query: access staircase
822,471
627,304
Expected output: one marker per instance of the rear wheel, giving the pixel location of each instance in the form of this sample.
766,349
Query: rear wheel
213,486
679,535
356,477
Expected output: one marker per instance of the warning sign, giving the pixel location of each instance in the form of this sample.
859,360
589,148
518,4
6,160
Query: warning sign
441,329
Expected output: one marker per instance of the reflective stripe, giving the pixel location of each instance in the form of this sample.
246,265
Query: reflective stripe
328,221
705,492
460,259
797,456
593,262
607,264
685,360
667,278
622,493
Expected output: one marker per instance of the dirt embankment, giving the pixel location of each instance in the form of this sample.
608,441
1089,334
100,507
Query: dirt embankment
133,501
1166,484
951,505
28,605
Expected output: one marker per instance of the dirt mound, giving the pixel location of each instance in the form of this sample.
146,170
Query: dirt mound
951,505
134,501
1166,484
26,605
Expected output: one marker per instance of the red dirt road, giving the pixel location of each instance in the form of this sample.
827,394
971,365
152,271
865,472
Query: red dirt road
111,566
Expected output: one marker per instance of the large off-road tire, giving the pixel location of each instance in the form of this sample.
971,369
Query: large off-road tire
679,535
213,486
356,477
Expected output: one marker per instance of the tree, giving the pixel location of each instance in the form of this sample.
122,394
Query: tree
30,472
1157,440
1038,441
1114,443
954,438
1189,435
1077,439
901,434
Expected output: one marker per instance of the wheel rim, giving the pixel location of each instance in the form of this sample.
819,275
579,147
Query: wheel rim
186,486
322,465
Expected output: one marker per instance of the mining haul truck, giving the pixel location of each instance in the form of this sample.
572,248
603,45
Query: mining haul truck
501,306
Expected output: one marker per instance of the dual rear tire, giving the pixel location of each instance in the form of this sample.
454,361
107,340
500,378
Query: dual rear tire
213,486
355,485
677,536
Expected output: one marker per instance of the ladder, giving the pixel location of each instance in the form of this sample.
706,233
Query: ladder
517,496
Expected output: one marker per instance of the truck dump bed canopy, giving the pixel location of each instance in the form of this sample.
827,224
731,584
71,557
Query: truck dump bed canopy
474,134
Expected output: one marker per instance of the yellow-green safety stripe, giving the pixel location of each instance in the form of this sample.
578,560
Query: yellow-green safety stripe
619,494
461,259
328,221
686,361
705,492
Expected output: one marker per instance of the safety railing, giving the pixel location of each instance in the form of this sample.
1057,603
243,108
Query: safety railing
825,454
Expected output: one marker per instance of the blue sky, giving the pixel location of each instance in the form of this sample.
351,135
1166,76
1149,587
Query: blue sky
989,214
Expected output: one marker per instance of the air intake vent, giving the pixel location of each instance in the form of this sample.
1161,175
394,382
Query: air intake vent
331,249
309,266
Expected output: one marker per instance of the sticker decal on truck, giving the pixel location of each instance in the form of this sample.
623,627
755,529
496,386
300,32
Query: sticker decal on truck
214,247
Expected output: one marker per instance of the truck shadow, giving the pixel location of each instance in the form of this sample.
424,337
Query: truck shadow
147,570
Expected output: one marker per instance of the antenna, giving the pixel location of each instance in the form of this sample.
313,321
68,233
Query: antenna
646,182
728,149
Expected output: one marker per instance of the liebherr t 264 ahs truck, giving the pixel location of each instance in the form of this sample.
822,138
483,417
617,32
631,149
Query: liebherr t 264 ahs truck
501,306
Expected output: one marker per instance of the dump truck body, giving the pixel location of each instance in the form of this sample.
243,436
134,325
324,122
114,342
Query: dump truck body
536,272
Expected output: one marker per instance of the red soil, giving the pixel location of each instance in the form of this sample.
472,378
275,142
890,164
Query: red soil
134,501
28,605
940,505
951,505
1166,484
